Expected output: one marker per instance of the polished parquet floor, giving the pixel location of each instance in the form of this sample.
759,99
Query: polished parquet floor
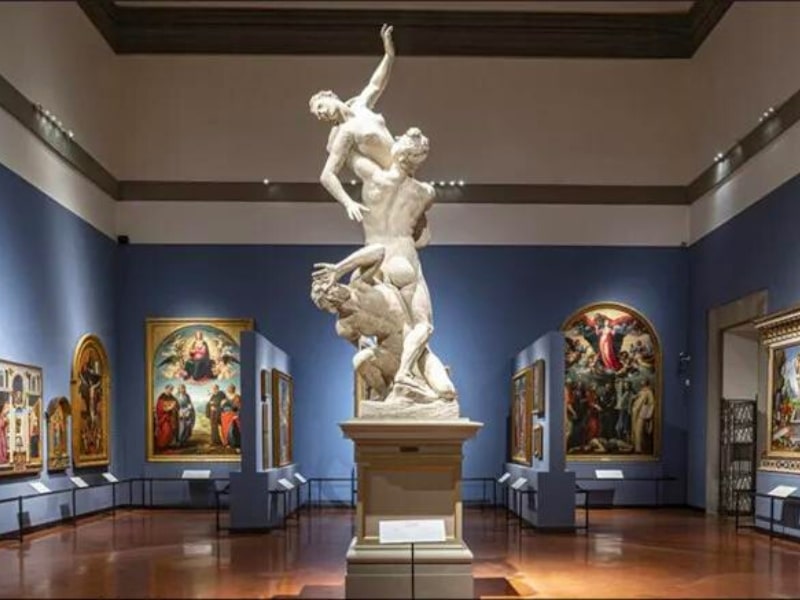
628,553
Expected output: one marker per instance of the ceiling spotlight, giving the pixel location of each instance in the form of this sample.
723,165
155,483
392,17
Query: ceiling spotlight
71,135
353,182
441,183
461,182
265,181
452,183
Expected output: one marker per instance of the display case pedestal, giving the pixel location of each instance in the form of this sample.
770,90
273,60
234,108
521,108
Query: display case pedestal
409,470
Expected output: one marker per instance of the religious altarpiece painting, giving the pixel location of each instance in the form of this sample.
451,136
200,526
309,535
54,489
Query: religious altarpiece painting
780,333
91,396
538,388
20,418
58,413
194,389
282,409
521,414
612,385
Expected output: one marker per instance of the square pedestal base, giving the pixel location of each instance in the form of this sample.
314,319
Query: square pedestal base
384,571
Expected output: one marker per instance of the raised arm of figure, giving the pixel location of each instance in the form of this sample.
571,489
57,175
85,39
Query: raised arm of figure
380,78
338,151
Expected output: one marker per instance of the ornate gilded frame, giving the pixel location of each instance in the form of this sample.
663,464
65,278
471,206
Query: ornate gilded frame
153,337
658,386
538,388
57,405
86,343
277,377
9,368
778,331
538,441
522,455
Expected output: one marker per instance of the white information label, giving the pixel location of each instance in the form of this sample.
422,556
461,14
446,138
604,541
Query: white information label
519,483
609,474
79,482
39,487
300,478
286,484
504,477
196,474
411,532
110,478
782,491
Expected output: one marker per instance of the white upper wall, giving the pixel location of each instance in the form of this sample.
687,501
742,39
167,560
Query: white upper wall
52,54
489,120
748,63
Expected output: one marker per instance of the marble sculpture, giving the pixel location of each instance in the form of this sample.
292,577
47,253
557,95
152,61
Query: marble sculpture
384,307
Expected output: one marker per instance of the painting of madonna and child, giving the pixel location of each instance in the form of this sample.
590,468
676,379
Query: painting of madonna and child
612,384
193,389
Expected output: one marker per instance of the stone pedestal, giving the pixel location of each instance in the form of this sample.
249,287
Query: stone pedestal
409,470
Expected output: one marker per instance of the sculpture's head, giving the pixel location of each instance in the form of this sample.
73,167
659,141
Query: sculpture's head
410,150
329,297
326,106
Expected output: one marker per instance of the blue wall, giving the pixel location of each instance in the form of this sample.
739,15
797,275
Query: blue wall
754,251
56,284
489,302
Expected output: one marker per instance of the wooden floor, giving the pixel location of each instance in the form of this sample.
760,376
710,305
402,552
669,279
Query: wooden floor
628,553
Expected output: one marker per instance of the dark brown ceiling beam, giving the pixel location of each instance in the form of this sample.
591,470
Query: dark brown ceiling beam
216,30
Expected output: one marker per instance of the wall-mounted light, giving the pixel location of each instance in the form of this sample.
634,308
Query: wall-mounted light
53,120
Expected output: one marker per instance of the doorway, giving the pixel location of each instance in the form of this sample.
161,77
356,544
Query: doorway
738,417
731,325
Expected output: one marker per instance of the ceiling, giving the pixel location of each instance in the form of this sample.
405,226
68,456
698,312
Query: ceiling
640,29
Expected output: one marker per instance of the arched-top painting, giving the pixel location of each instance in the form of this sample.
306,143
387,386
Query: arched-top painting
612,385
91,398
194,389
58,412
20,418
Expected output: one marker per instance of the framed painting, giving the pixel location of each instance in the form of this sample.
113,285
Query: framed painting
58,413
521,414
193,389
538,388
20,418
91,395
538,441
282,409
780,333
612,384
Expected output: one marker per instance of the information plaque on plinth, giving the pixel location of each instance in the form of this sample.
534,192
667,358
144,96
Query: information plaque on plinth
408,470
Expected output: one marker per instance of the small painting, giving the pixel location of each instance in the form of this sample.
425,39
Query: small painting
521,414
58,413
612,385
91,391
538,441
193,389
282,408
538,388
20,418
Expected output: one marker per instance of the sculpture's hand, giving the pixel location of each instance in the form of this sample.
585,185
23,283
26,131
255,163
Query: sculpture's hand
386,36
325,273
355,210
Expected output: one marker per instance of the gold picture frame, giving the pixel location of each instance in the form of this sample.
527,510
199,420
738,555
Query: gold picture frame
521,416
538,441
780,334
21,392
538,388
90,395
612,385
282,418
58,413
199,424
